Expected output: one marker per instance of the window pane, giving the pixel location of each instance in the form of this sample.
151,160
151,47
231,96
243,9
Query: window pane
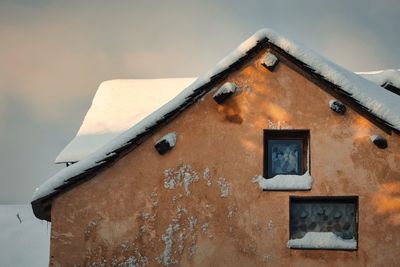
323,216
285,157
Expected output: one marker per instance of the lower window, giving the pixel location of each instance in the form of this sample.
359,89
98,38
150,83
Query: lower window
323,222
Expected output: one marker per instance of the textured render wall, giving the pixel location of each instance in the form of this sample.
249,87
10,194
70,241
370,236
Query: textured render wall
126,214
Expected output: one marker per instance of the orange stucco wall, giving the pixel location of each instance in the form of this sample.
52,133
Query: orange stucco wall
126,210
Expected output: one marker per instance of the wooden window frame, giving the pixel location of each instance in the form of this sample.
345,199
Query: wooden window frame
282,135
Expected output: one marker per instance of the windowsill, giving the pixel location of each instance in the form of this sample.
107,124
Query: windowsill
322,240
285,182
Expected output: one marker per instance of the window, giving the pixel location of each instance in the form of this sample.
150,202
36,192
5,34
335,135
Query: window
285,152
323,222
286,161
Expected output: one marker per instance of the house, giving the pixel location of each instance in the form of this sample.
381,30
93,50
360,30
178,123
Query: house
277,156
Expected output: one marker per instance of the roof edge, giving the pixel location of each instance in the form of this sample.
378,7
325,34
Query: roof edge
197,89
127,141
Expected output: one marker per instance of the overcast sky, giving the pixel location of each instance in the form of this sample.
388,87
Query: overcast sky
54,54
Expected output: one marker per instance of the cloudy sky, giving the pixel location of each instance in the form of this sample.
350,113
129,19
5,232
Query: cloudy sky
54,54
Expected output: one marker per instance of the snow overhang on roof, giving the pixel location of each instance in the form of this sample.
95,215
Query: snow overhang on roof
117,106
380,77
379,105
389,79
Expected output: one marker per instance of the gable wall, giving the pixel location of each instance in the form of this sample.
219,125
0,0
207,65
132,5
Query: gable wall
126,209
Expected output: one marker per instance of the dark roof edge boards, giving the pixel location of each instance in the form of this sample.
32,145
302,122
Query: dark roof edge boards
42,206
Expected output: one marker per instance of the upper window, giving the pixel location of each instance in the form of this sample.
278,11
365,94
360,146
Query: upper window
285,152
323,222
286,160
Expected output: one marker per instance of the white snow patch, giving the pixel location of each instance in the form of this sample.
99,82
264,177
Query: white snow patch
227,88
285,182
270,60
322,240
25,243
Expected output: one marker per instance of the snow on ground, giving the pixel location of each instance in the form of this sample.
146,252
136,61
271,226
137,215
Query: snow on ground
117,106
26,243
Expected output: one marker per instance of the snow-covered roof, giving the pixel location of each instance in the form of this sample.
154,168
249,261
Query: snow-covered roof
380,103
117,106
120,104
382,77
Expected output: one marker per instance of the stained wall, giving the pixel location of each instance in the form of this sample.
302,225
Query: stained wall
126,214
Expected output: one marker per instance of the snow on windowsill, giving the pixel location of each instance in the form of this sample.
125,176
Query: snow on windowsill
322,240
285,182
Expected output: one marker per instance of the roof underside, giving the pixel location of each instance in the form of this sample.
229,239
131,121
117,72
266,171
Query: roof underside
378,105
